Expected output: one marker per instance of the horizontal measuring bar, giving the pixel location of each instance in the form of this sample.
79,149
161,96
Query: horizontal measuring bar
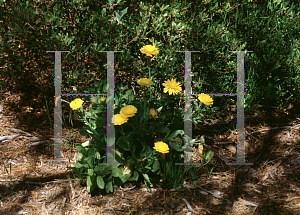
85,94
214,94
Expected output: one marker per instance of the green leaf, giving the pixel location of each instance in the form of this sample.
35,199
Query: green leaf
85,130
78,165
159,109
88,181
118,18
174,134
164,129
146,177
208,157
202,140
116,100
103,12
101,121
124,178
123,12
116,172
109,187
81,149
100,182
97,155
165,7
91,152
175,146
91,172
100,168
91,183
122,144
155,166
135,176
79,156
111,167
127,95
119,157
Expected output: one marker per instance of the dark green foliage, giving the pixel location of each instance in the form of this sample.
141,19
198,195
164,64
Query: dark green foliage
269,28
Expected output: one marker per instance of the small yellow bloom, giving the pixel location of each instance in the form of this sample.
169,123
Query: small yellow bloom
172,86
145,82
161,147
149,50
102,99
205,99
76,103
118,119
128,111
153,113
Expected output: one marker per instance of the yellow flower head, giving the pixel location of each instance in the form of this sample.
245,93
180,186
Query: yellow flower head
76,103
128,111
153,114
205,99
102,99
145,82
149,50
118,119
161,147
172,86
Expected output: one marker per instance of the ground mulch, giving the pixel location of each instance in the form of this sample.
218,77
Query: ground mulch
30,183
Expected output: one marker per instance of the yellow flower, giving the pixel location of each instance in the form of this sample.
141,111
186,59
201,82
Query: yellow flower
153,113
76,103
172,86
118,119
128,111
205,99
145,82
149,50
102,99
161,147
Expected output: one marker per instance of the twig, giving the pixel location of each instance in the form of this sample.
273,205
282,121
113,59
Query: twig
245,202
189,206
267,129
254,210
37,143
132,40
8,138
215,195
20,131
29,25
72,189
8,180
126,189
61,180
28,182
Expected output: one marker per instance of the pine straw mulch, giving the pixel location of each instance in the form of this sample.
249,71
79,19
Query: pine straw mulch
31,183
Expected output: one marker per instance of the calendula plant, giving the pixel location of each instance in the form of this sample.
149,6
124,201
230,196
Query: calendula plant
144,156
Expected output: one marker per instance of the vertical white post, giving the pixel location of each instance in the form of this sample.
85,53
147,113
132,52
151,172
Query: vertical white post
57,110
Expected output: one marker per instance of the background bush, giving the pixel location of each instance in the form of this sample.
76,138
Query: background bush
269,28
